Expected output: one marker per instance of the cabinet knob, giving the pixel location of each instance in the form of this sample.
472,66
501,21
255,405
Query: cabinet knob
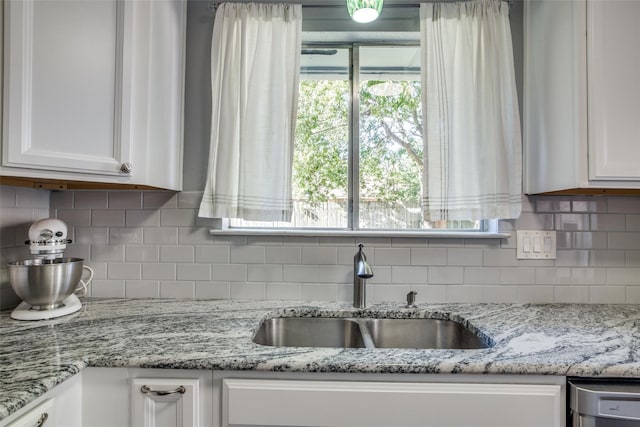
43,419
126,167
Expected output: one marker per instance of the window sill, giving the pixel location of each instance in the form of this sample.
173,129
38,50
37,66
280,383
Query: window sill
362,233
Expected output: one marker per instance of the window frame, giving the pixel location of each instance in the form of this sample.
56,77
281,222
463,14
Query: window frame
487,229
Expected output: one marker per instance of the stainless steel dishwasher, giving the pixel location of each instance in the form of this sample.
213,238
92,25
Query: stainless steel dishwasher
610,403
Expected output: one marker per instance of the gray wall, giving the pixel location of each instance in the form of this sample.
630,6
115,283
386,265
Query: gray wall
198,86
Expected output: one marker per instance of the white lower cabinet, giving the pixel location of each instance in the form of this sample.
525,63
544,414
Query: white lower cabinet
59,407
398,401
38,416
146,398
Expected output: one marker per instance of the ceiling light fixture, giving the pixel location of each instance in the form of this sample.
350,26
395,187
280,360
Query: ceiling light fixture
364,11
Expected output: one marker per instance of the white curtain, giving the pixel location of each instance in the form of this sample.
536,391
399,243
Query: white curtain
255,62
472,134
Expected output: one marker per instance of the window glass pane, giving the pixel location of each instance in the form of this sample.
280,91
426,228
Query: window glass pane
321,164
391,148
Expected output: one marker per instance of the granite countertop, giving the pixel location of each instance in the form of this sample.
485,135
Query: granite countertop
551,339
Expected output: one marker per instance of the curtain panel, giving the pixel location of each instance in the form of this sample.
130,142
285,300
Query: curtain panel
255,62
473,146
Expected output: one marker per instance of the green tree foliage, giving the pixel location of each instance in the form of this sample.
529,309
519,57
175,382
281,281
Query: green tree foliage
391,153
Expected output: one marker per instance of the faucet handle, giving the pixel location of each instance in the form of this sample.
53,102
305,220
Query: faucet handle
411,299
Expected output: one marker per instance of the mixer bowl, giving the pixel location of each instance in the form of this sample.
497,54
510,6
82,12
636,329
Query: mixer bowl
44,284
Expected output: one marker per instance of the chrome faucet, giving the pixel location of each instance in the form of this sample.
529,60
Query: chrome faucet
361,272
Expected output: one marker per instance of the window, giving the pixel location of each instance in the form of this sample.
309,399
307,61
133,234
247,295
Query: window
358,156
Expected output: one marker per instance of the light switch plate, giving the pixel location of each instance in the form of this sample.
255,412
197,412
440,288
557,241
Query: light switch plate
535,244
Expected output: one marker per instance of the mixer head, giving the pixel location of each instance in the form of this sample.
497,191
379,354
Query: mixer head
48,238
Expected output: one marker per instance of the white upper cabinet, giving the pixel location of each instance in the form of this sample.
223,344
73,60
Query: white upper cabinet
581,95
93,91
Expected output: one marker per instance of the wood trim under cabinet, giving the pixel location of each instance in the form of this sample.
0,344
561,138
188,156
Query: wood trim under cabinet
55,184
591,192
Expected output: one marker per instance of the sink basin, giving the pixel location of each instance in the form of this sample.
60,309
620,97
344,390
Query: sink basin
421,333
309,332
367,332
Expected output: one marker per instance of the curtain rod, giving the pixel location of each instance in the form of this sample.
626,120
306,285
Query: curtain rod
213,4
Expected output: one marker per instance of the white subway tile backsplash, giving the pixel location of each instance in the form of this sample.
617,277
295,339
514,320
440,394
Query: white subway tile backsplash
125,236
397,293
571,294
213,290
142,218
553,276
623,276
149,244
381,274
142,289
107,217
283,255
252,291
75,217
160,235
229,272
517,276
212,254
124,271
413,274
61,200
588,276
264,273
632,222
464,256
189,199
535,294
625,240
391,256
320,255
497,293
178,217
624,204
184,253
194,236
193,272
319,292
284,291
8,197
32,198
107,289
608,222
107,253
481,275
428,256
247,254
91,235
445,276
90,200
607,294
159,200
158,271
142,253
177,289
124,199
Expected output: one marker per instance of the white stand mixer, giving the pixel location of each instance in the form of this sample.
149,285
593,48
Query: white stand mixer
48,284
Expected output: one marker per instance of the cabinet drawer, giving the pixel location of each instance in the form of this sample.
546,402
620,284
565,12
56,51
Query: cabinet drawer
389,404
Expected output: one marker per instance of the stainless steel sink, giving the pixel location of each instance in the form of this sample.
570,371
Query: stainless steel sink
309,332
366,332
421,333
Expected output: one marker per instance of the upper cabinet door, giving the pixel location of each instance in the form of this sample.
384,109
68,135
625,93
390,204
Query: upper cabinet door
67,85
613,63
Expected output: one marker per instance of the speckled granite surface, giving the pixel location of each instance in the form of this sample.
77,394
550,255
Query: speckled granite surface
577,340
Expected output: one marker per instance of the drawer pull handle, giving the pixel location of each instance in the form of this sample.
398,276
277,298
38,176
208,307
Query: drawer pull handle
43,419
148,390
